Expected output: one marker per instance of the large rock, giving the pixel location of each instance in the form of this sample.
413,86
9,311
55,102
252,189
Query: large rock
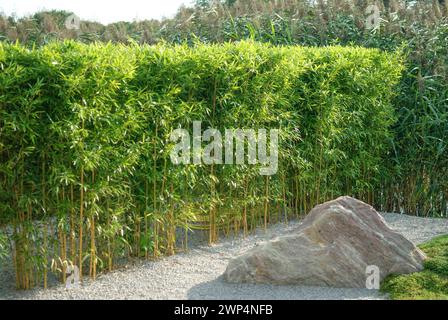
332,247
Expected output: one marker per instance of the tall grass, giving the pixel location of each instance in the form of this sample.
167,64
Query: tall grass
85,171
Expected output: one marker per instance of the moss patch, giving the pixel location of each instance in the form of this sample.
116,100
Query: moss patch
431,283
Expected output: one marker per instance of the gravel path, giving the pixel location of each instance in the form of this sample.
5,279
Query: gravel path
196,274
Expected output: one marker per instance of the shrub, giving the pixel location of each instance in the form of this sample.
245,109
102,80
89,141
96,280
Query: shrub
85,143
419,153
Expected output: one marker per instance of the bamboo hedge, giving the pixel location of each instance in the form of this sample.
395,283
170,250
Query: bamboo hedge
85,171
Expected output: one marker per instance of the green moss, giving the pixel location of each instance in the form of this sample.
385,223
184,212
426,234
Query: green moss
431,283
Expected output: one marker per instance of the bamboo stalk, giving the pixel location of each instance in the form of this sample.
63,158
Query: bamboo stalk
92,248
266,202
45,257
109,245
146,216
171,229
81,219
72,225
154,196
63,246
212,226
93,261
245,209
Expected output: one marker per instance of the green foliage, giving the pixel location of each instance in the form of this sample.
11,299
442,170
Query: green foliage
85,142
431,283
418,169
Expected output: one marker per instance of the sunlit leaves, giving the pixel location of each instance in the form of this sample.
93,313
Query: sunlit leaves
86,150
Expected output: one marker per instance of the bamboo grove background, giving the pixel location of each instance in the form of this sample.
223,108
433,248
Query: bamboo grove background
419,154
86,176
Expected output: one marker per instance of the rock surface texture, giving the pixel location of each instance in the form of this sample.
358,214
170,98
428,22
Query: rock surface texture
332,247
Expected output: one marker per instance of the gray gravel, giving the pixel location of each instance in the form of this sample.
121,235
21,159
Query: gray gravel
197,273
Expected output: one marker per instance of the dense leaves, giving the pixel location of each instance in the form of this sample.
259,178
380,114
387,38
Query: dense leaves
418,161
85,172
